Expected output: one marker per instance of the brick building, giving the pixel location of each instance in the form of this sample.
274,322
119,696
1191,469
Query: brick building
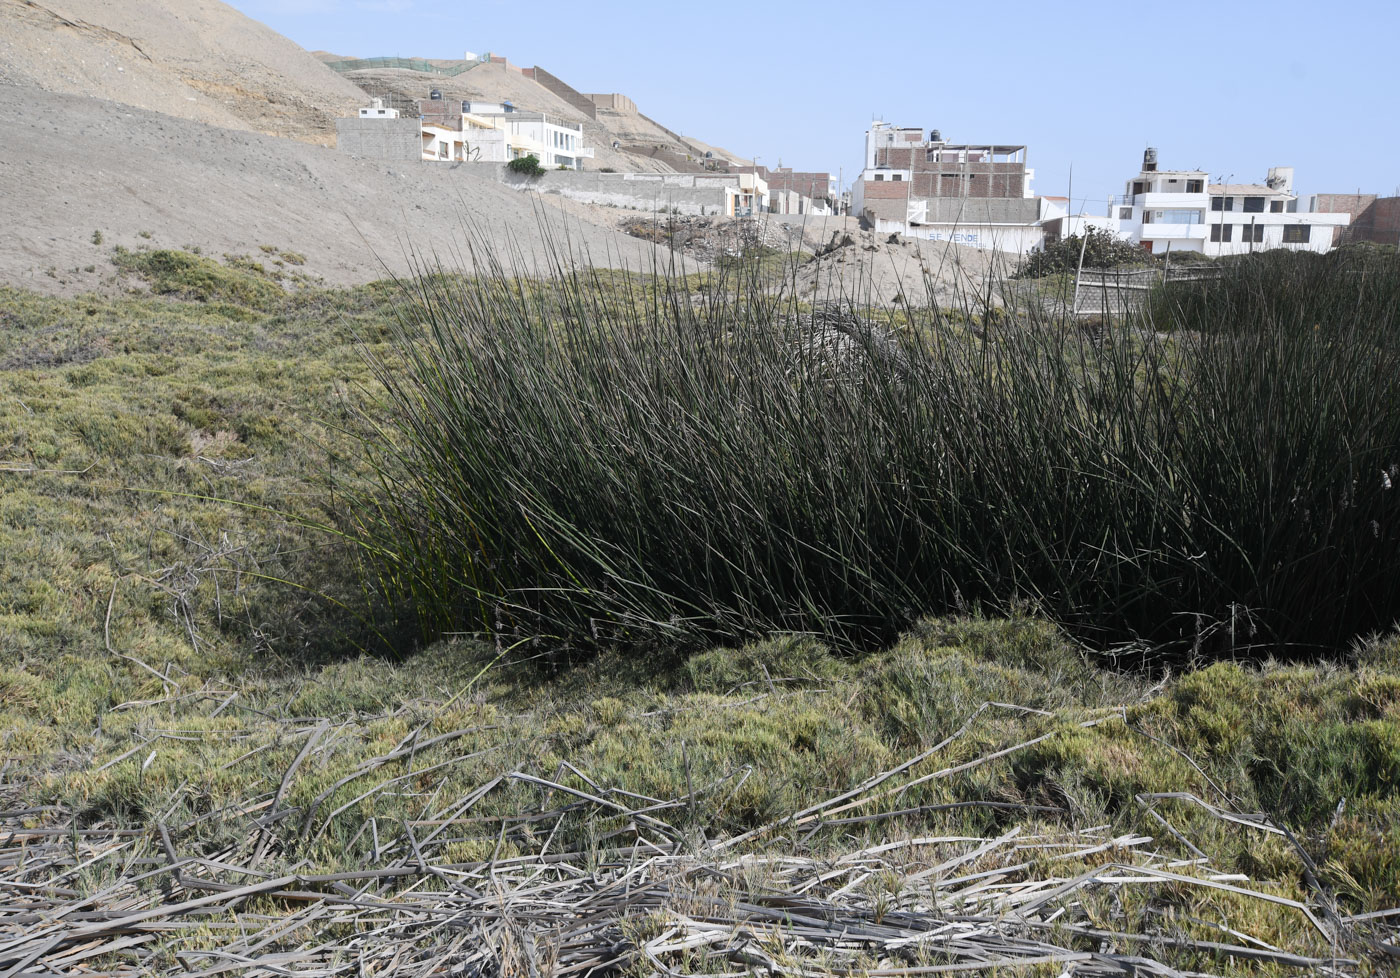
918,184
1373,218
818,188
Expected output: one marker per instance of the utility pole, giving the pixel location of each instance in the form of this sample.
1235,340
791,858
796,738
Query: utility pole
1220,234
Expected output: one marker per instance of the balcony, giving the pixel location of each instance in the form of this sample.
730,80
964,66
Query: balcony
1167,232
1163,202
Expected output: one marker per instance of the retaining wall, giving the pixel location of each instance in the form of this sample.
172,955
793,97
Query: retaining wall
693,194
563,89
612,100
380,139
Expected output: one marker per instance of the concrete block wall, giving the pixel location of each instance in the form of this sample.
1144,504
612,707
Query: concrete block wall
380,139
693,194
612,100
673,159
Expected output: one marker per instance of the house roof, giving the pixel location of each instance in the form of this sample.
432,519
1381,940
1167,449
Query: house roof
1244,190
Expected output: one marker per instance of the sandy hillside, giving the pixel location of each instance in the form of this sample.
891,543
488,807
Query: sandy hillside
228,191
885,269
401,88
195,59
493,82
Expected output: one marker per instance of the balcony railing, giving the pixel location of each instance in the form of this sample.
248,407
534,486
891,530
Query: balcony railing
1162,229
1127,200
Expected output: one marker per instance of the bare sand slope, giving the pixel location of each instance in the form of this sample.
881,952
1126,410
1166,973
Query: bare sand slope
883,269
495,83
195,59
227,191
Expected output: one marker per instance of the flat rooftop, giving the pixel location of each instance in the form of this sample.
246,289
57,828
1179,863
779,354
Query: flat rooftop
1244,189
993,147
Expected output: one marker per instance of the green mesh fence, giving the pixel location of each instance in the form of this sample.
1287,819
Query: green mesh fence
411,64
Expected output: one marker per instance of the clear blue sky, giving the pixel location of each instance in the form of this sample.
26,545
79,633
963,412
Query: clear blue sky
1228,87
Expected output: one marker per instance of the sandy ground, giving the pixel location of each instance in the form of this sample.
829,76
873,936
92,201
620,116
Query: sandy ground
143,179
194,59
156,124
227,191
882,269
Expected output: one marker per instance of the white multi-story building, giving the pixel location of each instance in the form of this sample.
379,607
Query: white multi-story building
1181,210
497,132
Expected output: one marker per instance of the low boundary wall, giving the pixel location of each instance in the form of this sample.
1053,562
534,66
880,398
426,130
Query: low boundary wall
380,139
694,194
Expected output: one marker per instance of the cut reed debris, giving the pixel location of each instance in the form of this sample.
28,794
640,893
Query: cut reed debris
648,898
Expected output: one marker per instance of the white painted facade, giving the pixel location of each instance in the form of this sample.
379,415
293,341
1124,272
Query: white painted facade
1180,210
555,144
376,110
495,132
1008,237
442,144
1014,239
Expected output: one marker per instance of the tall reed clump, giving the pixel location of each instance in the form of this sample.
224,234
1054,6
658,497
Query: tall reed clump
630,460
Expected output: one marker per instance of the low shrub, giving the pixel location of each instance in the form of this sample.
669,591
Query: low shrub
1098,248
528,166
190,276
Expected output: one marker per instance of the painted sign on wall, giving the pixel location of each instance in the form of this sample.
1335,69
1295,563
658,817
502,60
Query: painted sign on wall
957,237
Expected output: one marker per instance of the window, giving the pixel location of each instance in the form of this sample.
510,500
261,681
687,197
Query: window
897,176
1218,203
1297,233
1252,232
1125,213
1275,207
1254,205
1195,186
879,176
1221,232
1179,217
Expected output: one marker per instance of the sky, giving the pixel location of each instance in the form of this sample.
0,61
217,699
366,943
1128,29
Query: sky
1231,88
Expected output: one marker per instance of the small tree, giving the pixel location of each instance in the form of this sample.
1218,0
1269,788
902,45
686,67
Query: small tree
1098,246
526,166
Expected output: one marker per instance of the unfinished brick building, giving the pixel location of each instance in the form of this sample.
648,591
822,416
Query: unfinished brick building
939,169
815,186
918,184
1373,218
